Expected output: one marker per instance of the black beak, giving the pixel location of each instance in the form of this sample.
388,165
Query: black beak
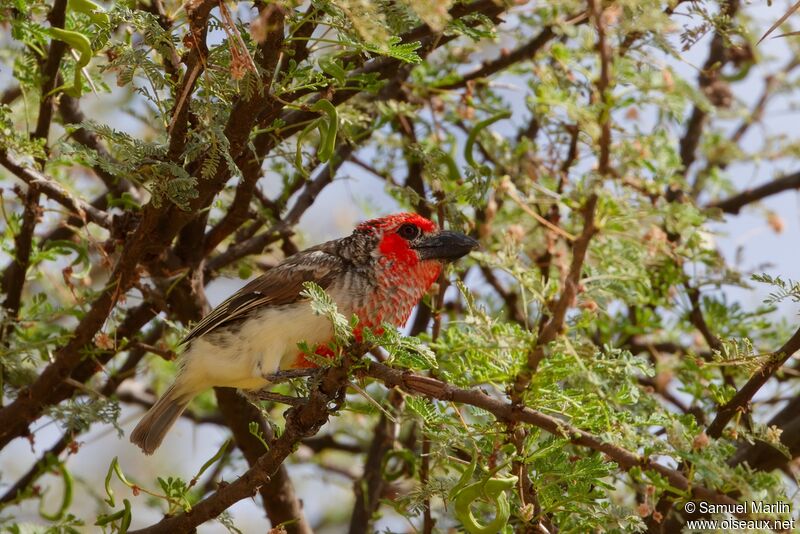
445,246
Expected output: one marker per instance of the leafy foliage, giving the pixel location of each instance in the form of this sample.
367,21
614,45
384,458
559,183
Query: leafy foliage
583,143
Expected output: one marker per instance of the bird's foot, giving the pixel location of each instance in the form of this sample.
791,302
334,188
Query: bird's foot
264,395
283,376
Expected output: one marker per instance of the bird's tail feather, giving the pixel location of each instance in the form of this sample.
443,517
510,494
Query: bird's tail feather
155,424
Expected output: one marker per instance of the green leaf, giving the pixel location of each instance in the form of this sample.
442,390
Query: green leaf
323,304
395,48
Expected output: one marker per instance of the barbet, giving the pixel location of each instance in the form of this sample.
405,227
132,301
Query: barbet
378,273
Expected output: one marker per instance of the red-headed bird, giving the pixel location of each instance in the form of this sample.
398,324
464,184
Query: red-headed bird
379,273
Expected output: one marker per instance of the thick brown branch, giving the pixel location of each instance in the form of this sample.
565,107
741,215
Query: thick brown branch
691,137
327,441
735,203
579,249
197,12
22,485
49,387
10,95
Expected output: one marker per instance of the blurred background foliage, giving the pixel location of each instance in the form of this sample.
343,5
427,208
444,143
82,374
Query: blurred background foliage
155,155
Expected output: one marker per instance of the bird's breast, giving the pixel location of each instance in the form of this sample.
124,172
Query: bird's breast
396,290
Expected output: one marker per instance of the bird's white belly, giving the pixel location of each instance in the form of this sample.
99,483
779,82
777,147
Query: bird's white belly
240,358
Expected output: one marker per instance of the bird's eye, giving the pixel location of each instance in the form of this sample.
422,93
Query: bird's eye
408,232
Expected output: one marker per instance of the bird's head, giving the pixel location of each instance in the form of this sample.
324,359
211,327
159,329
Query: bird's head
409,239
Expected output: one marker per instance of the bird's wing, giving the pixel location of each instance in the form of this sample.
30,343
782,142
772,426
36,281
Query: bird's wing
278,286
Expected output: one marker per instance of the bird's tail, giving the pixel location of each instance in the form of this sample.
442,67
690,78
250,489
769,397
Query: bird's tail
155,424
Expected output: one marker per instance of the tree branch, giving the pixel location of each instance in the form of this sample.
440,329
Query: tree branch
738,201
14,275
277,494
56,17
764,456
53,190
369,486
301,422
10,95
526,51
197,12
715,61
699,321
257,243
602,84
740,401
158,226
20,487
17,492
552,328
507,411
50,387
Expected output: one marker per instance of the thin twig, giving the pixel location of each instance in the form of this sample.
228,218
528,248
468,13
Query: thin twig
276,397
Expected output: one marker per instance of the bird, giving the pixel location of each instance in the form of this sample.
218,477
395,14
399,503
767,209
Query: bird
379,273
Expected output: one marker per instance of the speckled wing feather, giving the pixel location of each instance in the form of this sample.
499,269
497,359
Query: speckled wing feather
279,286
